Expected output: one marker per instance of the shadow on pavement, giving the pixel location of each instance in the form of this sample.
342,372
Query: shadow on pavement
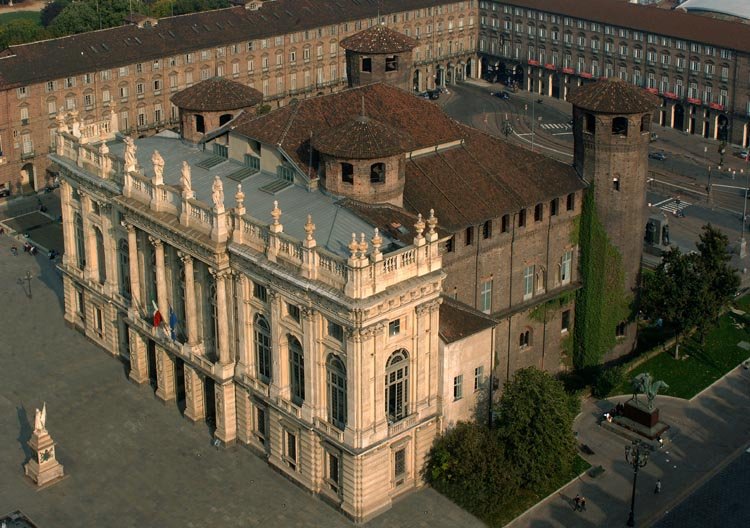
24,433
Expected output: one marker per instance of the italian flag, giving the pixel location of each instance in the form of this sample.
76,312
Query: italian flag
157,315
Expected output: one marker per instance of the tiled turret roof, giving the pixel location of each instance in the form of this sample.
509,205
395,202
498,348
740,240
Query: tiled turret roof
217,94
378,39
361,138
613,96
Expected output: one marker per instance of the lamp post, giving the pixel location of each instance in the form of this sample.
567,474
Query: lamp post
637,456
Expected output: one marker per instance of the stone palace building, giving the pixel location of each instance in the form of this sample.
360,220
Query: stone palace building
122,78
334,282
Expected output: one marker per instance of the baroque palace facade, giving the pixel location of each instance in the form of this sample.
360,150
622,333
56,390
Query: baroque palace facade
373,270
122,78
699,66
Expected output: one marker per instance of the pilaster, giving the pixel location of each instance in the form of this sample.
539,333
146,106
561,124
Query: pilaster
135,280
191,314
138,358
195,406
165,374
226,415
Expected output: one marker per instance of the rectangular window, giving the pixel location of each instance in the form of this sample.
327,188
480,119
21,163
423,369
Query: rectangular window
52,107
565,267
487,229
505,224
260,292
334,472
260,424
79,302
528,282
291,450
538,212
449,244
478,378
458,391
553,206
394,328
98,321
485,296
399,465
293,311
565,321
522,218
571,202
335,331
469,236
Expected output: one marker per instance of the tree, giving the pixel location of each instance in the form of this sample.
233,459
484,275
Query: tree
718,280
672,292
468,464
20,31
51,10
535,425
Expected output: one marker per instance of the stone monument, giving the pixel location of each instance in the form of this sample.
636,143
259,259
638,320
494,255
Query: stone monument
641,416
43,467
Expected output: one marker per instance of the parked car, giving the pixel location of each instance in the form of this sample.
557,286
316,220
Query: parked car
434,94
659,156
4,190
654,136
744,153
501,95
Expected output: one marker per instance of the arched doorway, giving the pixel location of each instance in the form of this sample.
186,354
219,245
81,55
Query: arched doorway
450,74
722,127
440,76
556,85
518,76
678,120
417,80
467,69
27,179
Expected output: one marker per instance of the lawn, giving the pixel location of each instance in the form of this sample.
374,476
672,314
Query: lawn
699,366
34,16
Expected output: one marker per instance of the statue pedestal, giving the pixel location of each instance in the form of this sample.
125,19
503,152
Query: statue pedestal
639,419
43,468
640,413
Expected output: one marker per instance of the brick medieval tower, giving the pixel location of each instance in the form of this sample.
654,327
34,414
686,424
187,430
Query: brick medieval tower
379,54
611,128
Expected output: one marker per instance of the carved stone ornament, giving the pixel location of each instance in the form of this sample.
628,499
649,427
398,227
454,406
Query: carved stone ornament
158,162
432,221
276,212
419,226
309,227
354,246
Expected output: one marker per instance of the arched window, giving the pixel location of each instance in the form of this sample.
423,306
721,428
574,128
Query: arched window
620,126
262,348
200,124
124,261
80,247
590,123
347,173
224,119
296,370
100,264
525,339
336,391
397,386
377,173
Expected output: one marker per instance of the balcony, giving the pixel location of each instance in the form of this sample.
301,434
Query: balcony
27,155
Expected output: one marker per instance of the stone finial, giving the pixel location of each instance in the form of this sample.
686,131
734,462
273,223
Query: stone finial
432,221
419,226
103,149
376,241
309,227
362,245
186,180
276,212
217,194
239,197
62,126
354,246
158,162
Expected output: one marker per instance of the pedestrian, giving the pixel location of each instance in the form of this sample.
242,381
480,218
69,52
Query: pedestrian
583,503
14,251
657,489
577,502
661,442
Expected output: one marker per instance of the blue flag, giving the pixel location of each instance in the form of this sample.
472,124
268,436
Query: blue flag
172,324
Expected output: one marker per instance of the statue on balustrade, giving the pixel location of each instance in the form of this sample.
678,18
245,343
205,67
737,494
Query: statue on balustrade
158,163
130,148
217,194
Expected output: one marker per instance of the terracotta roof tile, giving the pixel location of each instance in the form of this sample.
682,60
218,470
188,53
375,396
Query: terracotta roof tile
673,23
379,39
613,96
216,94
458,321
361,138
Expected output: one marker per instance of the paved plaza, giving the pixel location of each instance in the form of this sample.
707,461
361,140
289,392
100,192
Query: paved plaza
132,461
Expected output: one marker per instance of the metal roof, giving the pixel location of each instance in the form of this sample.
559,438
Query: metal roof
737,8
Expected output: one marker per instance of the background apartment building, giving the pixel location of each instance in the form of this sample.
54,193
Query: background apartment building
699,66
122,78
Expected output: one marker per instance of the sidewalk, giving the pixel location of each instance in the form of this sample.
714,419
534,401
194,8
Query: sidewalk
706,433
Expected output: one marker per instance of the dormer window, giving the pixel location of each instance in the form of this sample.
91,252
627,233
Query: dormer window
391,63
377,173
347,173
366,64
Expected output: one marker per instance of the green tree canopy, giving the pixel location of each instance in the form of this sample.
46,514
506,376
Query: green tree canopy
535,425
20,31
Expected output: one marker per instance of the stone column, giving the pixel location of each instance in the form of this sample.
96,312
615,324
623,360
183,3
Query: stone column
191,315
195,406
69,256
222,318
226,413
110,241
314,391
279,350
244,325
135,275
161,278
138,358
165,381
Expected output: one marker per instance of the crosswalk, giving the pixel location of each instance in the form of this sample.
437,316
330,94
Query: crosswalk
556,126
672,205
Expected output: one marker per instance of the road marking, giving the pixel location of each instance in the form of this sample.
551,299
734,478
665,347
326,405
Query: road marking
673,206
568,154
555,126
662,202
524,134
561,133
